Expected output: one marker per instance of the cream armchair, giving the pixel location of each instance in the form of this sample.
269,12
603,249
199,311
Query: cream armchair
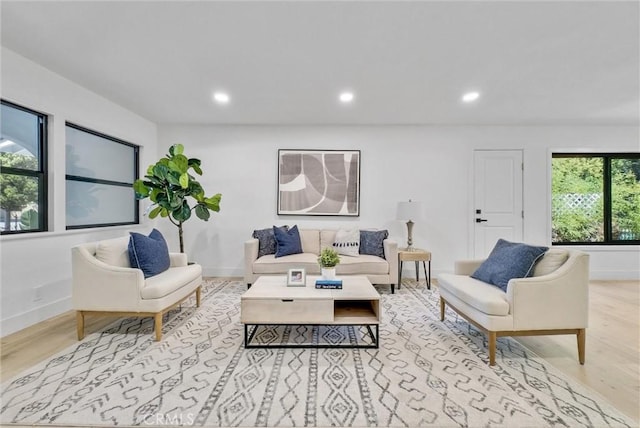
555,300
105,284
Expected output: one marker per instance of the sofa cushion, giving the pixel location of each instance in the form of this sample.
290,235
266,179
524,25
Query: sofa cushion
266,240
114,252
484,297
371,242
287,241
508,260
149,253
327,236
310,239
550,262
269,264
169,281
347,242
364,264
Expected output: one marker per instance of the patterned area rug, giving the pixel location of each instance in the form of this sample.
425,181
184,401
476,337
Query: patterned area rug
425,373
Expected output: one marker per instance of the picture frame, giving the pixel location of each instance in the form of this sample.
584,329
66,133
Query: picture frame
319,182
297,277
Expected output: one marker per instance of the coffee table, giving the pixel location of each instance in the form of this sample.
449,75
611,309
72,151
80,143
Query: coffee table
270,301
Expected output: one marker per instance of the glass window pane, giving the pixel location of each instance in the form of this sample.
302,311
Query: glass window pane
20,139
89,155
18,202
98,204
625,199
577,199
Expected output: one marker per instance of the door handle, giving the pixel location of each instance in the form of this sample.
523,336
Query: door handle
481,220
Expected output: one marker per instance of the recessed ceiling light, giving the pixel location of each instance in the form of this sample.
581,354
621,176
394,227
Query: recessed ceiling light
221,97
470,97
346,97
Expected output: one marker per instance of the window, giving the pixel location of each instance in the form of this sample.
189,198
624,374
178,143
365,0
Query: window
23,170
100,175
595,198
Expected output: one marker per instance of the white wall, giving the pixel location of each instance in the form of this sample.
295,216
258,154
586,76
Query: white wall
43,260
428,163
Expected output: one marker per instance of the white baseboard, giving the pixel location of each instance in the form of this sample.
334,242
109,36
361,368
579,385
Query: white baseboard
598,275
411,273
603,275
34,316
222,272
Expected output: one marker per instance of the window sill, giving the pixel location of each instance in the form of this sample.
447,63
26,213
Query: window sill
601,248
57,234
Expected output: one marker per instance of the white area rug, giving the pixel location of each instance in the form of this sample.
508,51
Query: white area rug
425,373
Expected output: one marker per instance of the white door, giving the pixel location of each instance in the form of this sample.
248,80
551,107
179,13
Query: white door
497,198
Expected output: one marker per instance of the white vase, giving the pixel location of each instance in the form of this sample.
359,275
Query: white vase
329,273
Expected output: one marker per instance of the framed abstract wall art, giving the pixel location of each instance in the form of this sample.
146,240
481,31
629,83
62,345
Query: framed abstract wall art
319,182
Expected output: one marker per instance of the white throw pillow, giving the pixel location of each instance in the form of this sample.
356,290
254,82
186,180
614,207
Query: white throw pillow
552,260
114,252
347,242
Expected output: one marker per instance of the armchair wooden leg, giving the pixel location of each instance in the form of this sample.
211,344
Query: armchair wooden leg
492,347
80,324
442,309
198,293
582,338
158,326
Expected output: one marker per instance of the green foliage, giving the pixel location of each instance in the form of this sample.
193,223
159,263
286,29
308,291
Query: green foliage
17,191
625,198
328,258
577,175
169,185
577,226
29,220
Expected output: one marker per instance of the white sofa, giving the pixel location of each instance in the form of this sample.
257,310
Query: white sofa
105,284
555,300
377,269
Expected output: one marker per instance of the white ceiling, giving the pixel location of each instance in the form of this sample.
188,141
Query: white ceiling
282,62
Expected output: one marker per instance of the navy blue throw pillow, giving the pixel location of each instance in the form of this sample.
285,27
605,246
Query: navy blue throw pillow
266,241
287,241
371,242
508,260
149,253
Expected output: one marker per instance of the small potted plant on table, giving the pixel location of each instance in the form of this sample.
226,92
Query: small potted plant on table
328,259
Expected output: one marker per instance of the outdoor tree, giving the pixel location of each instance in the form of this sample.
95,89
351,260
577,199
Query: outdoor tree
17,191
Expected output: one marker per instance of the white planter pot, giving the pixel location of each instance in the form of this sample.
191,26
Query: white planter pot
329,273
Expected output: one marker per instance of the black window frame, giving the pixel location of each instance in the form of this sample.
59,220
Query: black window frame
41,174
136,172
606,194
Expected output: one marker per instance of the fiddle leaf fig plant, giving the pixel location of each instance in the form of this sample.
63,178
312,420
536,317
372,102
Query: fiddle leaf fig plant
169,185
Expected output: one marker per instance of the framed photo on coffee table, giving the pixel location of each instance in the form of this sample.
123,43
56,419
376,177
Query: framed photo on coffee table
297,277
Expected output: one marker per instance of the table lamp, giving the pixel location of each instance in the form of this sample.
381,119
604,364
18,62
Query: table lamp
409,211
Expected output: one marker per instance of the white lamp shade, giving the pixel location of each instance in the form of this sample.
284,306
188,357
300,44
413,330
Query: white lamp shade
410,210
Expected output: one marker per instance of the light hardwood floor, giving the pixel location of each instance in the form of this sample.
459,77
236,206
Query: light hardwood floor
612,366
612,359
